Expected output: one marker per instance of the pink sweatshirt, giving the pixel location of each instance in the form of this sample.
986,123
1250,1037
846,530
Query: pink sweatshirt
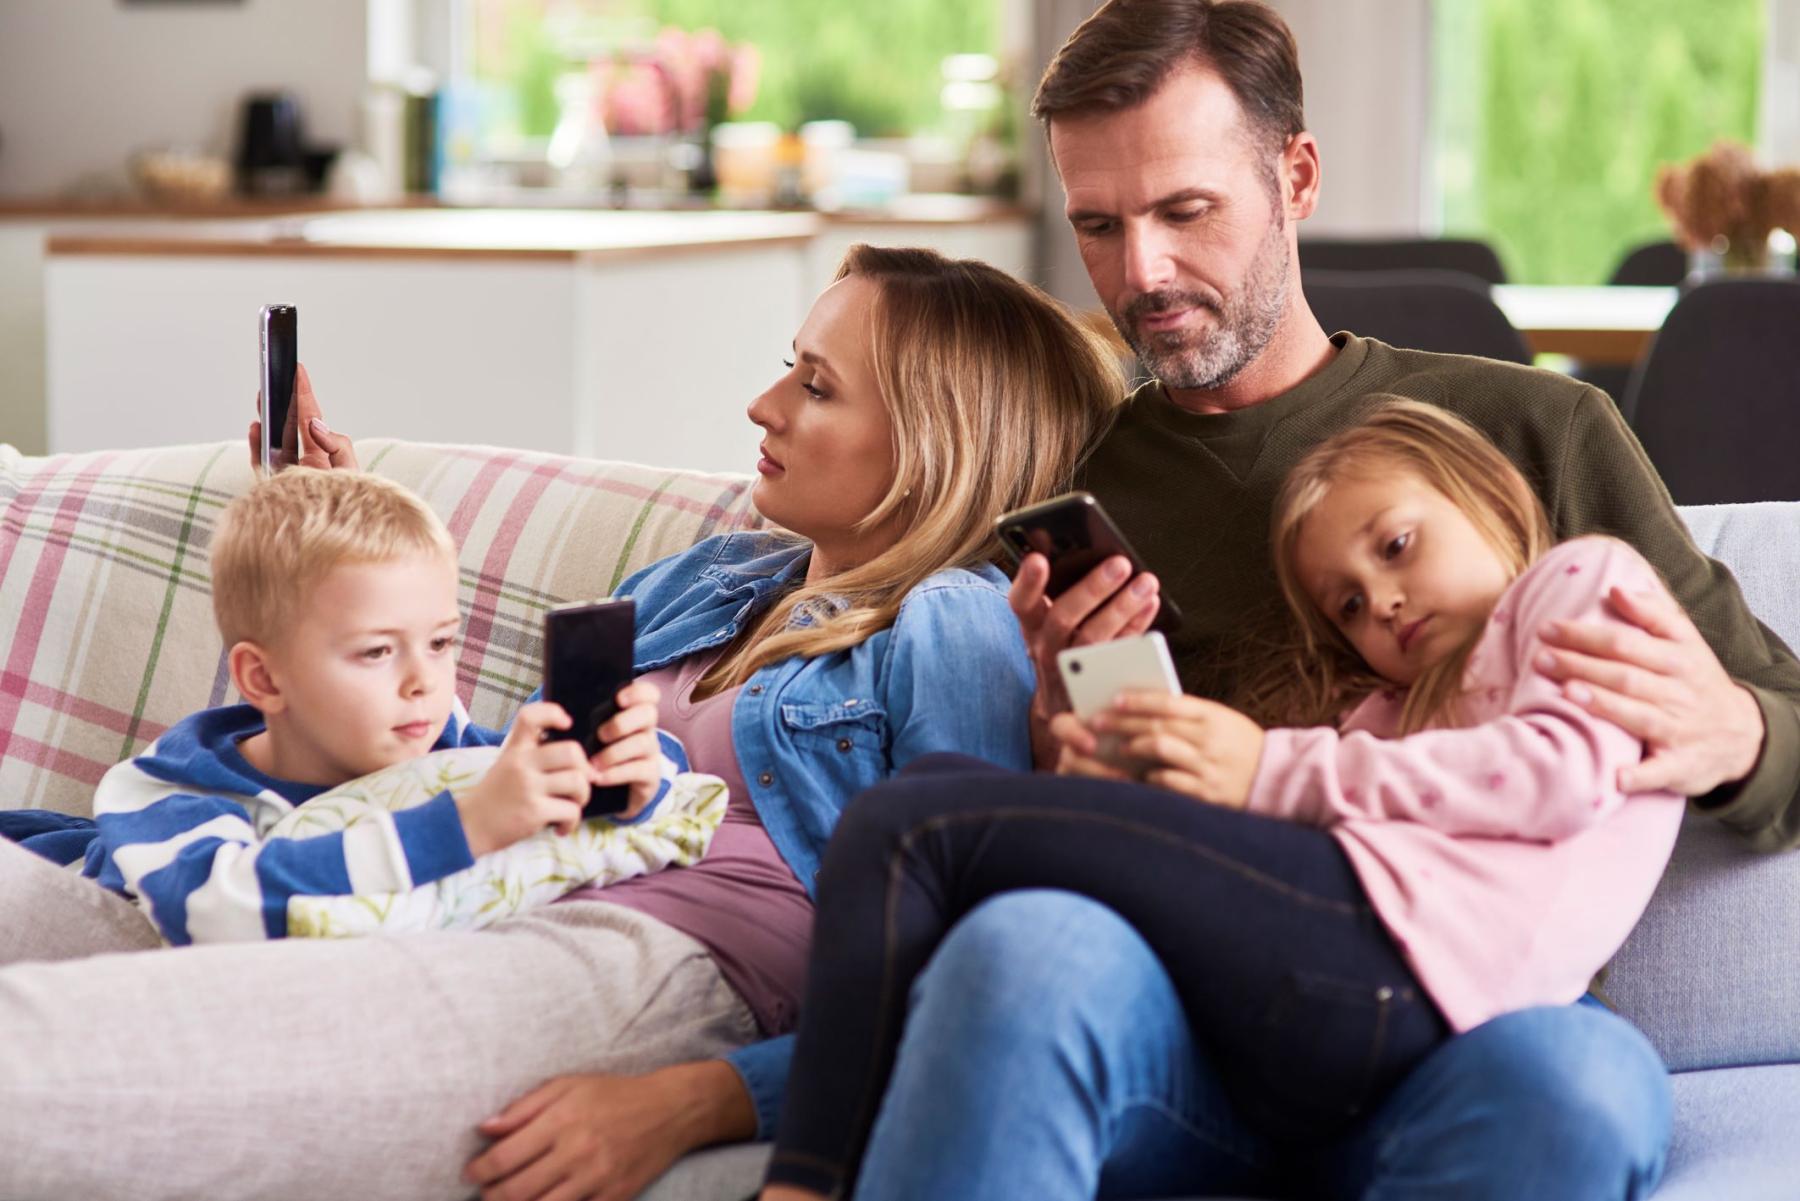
1501,855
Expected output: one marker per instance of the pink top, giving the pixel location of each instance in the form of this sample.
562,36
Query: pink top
1501,856
742,901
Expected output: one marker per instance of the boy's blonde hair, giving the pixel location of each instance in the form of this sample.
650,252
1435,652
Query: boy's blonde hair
278,540
1323,674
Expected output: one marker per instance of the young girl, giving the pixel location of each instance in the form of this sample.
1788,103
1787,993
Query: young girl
1343,898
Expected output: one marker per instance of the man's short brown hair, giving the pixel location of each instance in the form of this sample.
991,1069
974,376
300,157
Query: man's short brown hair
1122,54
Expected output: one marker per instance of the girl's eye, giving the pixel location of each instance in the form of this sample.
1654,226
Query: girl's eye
1397,545
788,363
442,644
376,653
1350,608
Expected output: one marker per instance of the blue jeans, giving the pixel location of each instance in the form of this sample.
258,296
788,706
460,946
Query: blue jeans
1046,1056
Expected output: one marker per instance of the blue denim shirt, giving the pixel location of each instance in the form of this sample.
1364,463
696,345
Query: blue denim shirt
951,674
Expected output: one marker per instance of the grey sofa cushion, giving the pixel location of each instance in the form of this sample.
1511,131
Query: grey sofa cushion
1712,973
716,1174
1734,1132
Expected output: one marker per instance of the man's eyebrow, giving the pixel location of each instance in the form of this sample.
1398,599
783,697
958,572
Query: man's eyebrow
1183,196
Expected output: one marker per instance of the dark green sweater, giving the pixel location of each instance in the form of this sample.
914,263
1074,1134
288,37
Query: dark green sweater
1193,492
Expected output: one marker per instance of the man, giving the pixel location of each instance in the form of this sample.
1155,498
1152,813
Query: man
1045,1052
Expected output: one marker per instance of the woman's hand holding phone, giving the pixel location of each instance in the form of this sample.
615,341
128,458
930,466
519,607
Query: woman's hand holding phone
320,446
631,752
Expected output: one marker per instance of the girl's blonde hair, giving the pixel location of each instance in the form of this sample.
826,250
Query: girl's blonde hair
1321,674
995,393
278,540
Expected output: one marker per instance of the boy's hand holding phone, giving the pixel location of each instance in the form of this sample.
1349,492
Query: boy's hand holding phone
630,752
534,784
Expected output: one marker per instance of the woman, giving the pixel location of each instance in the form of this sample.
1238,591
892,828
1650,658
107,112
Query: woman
924,398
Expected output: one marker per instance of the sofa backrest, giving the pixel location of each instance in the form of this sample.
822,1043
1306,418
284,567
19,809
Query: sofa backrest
106,622
1712,972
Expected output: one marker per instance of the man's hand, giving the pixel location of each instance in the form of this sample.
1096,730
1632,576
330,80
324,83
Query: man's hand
1087,613
1662,683
319,446
608,1137
632,753
532,785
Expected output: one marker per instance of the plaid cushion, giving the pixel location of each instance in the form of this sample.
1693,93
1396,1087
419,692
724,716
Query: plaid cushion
105,601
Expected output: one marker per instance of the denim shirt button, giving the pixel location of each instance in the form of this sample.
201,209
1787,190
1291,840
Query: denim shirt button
843,744
756,690
766,779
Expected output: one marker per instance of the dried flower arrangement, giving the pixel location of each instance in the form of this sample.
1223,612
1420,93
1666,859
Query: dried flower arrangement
1722,201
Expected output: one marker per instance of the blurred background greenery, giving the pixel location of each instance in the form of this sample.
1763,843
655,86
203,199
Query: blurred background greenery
875,65
1552,116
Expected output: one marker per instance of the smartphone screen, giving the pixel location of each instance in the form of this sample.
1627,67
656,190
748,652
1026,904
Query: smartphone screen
587,660
1075,534
280,352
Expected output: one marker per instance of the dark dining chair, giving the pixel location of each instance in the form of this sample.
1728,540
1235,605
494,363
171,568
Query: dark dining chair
1467,255
1717,399
1651,265
1445,311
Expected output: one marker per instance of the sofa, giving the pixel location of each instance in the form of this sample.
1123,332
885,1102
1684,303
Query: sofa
106,624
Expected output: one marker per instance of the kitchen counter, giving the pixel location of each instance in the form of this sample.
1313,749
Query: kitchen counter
626,334
458,233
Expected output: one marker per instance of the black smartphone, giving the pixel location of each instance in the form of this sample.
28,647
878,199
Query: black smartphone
1076,535
278,330
587,660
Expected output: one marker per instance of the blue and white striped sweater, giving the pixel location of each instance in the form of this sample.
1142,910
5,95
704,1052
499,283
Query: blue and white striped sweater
183,830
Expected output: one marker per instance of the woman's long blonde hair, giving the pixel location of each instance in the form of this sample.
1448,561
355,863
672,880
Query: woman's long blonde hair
995,393
1321,675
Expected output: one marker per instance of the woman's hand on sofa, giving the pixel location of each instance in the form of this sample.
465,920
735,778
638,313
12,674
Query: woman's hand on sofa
609,1137
320,445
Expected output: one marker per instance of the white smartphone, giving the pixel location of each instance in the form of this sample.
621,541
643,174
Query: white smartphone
1095,675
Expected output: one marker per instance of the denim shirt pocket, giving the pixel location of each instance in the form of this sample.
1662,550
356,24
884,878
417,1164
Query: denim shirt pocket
843,727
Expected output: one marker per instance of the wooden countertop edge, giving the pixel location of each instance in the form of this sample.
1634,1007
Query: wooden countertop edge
52,210
39,210
142,247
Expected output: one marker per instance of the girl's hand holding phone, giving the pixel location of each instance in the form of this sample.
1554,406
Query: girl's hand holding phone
632,753
1196,747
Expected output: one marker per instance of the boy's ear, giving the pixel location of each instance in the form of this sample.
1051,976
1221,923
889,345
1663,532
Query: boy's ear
252,674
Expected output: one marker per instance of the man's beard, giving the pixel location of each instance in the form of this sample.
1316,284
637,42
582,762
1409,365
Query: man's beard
1202,360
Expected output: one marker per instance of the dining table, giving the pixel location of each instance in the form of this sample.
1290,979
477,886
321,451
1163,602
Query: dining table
1607,324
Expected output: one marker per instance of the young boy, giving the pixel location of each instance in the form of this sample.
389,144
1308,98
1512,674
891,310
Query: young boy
335,593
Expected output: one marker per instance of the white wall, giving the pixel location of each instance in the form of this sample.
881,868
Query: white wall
1367,69
1781,84
84,83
